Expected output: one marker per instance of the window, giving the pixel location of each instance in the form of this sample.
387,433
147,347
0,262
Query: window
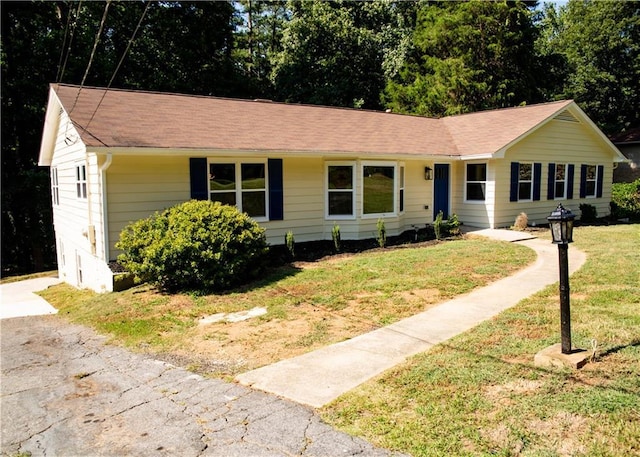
340,190
378,189
591,181
525,181
560,181
81,181
476,182
243,185
55,189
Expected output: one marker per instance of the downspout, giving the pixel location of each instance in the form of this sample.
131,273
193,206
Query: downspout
104,214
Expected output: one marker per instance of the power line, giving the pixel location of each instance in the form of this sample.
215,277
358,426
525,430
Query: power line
73,29
113,76
93,51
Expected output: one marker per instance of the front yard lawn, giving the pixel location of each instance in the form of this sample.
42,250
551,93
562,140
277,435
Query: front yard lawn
308,305
480,394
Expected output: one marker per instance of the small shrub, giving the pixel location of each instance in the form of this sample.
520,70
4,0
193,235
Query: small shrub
382,233
290,242
521,223
625,200
197,245
446,227
335,236
588,213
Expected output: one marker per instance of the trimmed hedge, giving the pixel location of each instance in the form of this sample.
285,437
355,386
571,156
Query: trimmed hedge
197,245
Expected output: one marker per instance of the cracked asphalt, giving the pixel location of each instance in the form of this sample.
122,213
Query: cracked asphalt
64,392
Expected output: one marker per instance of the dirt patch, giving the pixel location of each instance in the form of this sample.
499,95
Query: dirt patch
226,348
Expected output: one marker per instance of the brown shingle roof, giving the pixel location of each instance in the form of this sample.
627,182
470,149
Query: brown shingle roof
125,118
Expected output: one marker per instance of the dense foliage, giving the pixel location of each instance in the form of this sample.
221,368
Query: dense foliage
625,200
420,57
197,245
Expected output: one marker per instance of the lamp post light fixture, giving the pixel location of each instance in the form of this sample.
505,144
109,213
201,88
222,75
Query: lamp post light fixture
428,173
561,224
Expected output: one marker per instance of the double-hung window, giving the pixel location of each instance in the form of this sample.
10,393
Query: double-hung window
240,184
378,188
560,181
341,187
81,181
476,182
525,181
55,187
591,180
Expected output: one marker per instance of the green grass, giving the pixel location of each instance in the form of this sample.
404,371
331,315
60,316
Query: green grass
480,394
371,288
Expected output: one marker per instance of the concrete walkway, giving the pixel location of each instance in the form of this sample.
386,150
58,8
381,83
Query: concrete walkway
321,376
17,299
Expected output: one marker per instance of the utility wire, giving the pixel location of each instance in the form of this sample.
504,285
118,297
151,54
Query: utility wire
93,51
73,29
124,54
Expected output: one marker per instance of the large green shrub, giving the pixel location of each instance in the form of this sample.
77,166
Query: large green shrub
197,245
625,200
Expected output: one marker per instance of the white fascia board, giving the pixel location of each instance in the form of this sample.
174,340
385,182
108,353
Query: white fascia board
484,156
50,129
189,152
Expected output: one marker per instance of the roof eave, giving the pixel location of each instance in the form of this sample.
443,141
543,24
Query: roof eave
50,129
191,152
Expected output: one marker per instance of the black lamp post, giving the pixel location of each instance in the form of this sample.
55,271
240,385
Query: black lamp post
561,224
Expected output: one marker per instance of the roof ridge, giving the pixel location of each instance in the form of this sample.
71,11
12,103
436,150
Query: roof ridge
506,108
235,99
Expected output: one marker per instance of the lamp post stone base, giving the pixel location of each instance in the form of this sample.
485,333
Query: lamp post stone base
554,357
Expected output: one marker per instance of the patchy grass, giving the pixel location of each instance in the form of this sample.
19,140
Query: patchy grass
42,274
309,305
480,394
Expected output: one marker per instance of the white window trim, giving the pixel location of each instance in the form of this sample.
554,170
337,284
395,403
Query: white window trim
396,188
84,184
55,187
531,181
555,171
595,183
346,163
238,190
466,182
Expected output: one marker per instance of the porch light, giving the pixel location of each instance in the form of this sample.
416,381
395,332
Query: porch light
428,173
561,223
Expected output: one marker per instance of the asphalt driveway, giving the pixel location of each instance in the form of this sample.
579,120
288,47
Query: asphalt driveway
65,393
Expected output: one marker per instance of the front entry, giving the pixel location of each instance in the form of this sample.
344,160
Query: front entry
441,190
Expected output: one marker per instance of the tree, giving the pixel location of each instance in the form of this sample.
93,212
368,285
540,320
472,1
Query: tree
600,45
180,46
333,53
258,39
467,56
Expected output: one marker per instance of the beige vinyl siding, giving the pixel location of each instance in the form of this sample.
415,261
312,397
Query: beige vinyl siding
138,186
559,142
473,214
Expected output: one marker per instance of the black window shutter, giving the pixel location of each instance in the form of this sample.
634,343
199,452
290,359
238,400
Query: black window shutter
537,175
583,181
276,194
198,174
570,173
551,182
515,172
600,181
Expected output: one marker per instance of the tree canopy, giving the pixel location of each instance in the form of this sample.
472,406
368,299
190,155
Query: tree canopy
422,57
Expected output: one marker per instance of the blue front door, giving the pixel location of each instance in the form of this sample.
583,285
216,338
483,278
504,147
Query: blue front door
441,190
